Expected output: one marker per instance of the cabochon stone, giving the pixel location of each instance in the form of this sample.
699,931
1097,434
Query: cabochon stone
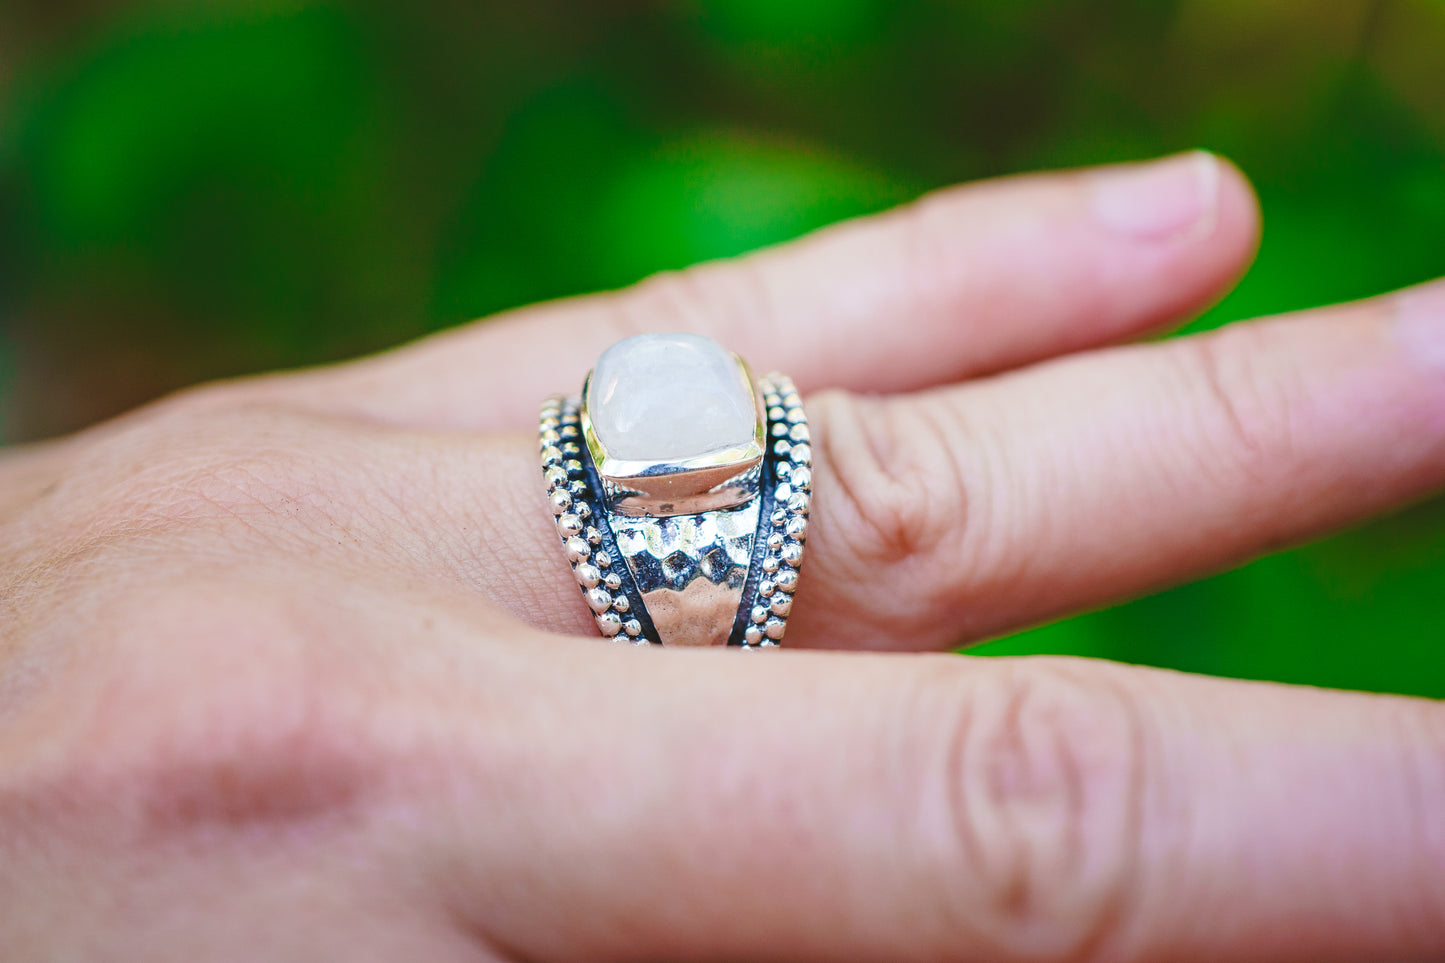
669,397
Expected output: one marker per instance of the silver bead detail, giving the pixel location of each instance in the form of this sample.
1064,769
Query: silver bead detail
570,495
752,635
599,600
792,554
775,629
759,614
782,604
561,501
788,580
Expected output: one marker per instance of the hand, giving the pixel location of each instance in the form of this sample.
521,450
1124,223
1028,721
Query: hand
288,671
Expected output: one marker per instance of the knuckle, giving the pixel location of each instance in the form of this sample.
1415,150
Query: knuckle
927,236
731,296
1043,786
238,468
210,715
1419,732
928,245
931,247
1248,408
175,483
872,457
201,476
900,494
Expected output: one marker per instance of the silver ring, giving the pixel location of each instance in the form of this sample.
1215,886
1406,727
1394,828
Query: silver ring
680,486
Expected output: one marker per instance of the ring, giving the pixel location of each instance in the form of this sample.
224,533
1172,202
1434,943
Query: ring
680,486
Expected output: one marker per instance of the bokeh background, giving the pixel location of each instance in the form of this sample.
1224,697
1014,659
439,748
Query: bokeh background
204,189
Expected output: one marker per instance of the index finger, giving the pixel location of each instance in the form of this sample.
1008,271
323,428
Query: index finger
965,281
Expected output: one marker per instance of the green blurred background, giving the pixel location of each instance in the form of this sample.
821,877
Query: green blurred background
190,191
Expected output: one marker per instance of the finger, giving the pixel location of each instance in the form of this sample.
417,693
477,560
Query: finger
965,281
958,514
962,513
801,807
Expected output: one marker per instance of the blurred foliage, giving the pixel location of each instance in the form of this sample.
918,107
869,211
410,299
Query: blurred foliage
191,191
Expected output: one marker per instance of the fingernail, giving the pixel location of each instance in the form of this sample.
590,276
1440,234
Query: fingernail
1421,323
1169,199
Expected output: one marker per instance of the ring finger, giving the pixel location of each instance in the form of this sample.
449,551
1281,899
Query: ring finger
958,513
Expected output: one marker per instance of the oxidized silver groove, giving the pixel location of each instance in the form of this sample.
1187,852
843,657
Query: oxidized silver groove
788,467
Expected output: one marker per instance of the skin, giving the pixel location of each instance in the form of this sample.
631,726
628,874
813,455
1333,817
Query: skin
290,667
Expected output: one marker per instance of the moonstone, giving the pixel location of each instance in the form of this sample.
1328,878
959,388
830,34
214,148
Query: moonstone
669,397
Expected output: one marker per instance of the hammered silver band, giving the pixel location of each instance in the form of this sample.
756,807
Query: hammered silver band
723,575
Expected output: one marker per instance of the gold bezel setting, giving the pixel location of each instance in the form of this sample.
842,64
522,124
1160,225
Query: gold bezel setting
718,479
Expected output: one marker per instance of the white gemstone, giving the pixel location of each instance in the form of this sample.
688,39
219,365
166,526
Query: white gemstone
669,397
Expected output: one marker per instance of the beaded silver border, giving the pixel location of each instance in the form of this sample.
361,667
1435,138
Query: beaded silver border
789,461
579,516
